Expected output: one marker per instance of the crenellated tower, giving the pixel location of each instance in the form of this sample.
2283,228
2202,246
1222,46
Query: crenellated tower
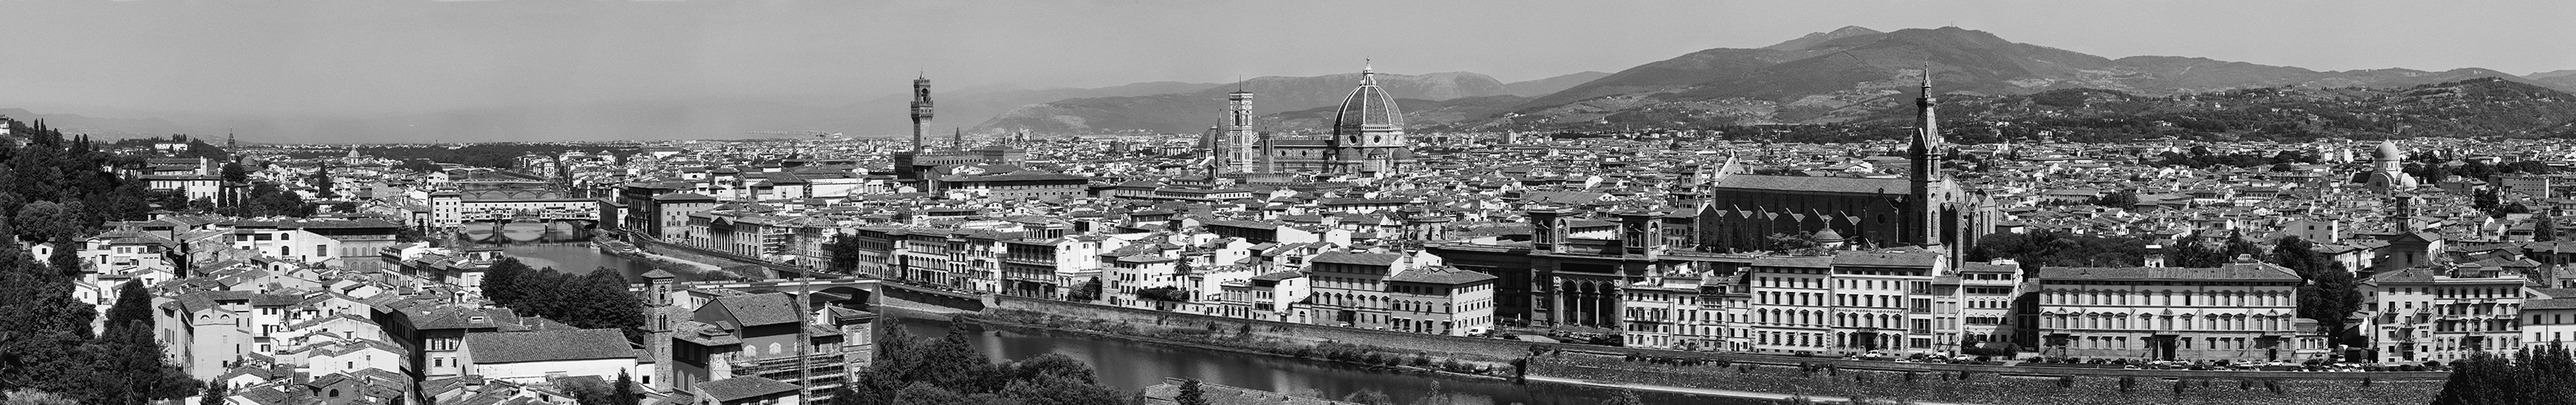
920,111
906,167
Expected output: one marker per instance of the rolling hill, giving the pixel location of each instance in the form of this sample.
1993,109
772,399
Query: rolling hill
1419,114
1541,87
1194,111
2480,107
1850,73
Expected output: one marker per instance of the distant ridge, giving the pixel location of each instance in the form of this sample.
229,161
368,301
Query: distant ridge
1541,87
1848,73
1195,111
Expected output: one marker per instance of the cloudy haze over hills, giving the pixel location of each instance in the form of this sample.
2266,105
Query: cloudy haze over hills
528,70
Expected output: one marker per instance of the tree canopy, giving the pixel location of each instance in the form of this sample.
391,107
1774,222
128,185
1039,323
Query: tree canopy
2538,374
948,371
598,300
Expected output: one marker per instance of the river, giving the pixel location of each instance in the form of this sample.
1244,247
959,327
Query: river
581,258
1131,366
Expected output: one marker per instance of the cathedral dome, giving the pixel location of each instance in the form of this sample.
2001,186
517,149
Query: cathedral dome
1368,110
2388,152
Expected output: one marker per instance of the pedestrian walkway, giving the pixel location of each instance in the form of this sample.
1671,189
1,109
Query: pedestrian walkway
1705,391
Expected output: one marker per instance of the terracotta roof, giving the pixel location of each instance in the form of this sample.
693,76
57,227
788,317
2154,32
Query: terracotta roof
1367,259
2550,303
738,388
1814,184
1912,258
1439,275
549,345
760,309
2231,271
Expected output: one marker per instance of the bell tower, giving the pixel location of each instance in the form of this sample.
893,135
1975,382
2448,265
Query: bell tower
920,111
904,170
1238,129
1924,209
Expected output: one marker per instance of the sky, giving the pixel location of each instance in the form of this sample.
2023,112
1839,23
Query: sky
352,58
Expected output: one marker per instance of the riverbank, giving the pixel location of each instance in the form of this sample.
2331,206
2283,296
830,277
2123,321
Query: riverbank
1254,345
1789,398
1813,377
1243,341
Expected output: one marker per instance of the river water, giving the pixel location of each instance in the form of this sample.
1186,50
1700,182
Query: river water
582,258
1132,365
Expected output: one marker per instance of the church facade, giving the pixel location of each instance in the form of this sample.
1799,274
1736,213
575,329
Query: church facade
1739,211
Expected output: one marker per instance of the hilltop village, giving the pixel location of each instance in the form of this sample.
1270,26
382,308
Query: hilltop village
299,274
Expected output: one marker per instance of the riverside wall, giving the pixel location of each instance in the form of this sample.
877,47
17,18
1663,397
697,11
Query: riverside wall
1917,382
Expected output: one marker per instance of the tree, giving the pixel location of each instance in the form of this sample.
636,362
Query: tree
624,392
215,394
2193,254
604,302
234,173
911,370
925,393
1051,365
266,200
842,395
46,221
23,397
1626,397
845,251
1190,394
2059,248
2535,375
2544,228
2300,256
1782,242
1369,396
2123,199
501,282
2329,298
133,304
47,331
1089,290
322,187
2238,246
129,369
1061,390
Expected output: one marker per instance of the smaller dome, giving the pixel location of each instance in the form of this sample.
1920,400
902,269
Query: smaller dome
2388,151
1828,236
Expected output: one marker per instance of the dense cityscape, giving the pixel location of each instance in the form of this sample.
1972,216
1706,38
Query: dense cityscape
1920,216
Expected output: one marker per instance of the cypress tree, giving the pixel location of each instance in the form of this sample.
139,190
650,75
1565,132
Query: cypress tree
624,392
1191,394
133,304
214,394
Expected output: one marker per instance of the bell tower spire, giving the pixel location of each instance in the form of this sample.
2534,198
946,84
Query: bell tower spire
1238,129
1925,211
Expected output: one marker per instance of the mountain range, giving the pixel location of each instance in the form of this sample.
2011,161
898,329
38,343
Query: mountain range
1846,75
1192,111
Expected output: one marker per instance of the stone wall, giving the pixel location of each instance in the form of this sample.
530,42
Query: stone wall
1991,388
1457,347
1484,349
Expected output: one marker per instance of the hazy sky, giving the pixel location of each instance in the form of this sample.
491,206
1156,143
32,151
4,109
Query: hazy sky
352,57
